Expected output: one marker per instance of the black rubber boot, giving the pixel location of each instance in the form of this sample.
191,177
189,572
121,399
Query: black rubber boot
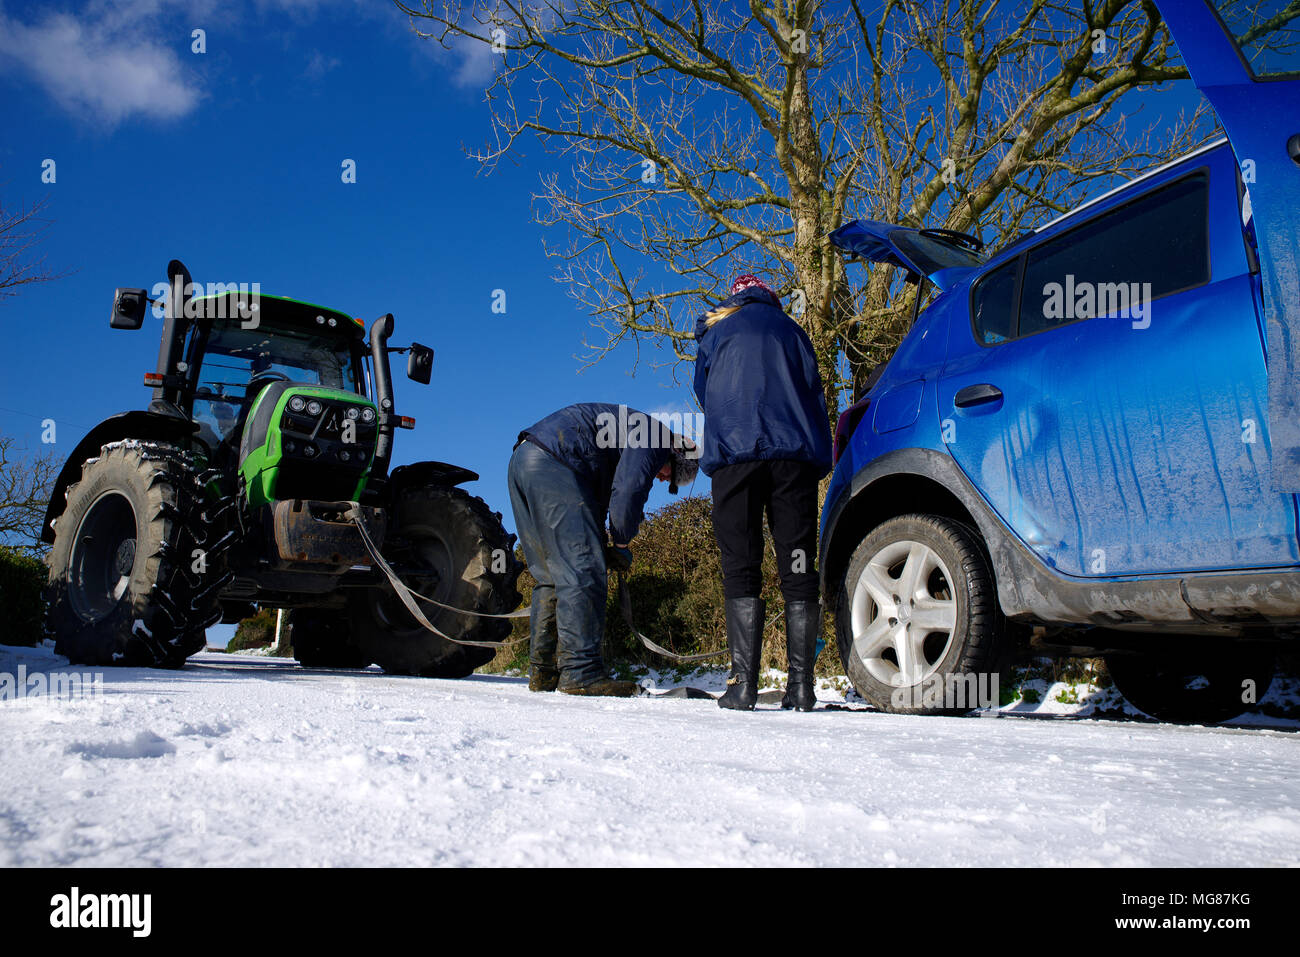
745,641
803,623
603,687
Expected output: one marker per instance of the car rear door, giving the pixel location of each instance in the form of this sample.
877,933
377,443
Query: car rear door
1243,57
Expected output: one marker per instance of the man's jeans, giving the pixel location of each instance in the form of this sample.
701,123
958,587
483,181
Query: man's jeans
564,543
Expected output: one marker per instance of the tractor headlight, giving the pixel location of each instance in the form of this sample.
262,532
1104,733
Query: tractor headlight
352,412
313,407
367,415
297,404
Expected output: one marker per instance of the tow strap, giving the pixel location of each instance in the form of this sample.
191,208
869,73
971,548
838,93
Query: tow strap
409,598
625,600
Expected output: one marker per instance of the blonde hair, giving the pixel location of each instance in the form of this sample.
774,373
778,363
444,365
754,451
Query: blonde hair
714,316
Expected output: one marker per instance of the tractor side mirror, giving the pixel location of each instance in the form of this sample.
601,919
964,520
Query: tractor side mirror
129,306
419,364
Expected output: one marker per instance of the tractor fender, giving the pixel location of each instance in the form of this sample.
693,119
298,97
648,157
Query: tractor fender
428,473
138,424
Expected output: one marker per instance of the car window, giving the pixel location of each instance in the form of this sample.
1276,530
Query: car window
993,304
932,254
1118,263
1267,41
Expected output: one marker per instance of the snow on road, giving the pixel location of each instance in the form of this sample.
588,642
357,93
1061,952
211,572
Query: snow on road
254,761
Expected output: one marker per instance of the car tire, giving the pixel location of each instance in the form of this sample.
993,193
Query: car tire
1200,684
917,619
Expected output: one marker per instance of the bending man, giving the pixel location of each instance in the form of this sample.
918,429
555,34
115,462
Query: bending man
567,473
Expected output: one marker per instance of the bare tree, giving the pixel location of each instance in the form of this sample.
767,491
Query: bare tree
20,230
26,484
703,140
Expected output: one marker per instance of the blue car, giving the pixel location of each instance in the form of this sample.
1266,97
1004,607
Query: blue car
1090,439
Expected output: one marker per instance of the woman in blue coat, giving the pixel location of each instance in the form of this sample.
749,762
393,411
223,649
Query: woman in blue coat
766,445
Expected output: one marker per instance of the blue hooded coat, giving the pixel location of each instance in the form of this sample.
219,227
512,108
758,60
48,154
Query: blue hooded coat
757,381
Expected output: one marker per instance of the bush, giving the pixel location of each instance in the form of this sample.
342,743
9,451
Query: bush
22,579
257,631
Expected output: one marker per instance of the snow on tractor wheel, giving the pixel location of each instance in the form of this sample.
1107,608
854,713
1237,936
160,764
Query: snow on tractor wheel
137,563
446,544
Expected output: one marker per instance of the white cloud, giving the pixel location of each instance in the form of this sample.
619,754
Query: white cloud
100,65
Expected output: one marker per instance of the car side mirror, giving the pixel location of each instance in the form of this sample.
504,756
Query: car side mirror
419,364
129,306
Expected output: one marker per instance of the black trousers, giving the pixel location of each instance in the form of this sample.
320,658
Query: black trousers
787,492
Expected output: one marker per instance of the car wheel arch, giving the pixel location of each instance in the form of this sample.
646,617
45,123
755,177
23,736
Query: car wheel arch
898,483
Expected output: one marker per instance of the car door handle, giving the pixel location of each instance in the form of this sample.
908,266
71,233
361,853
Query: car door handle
976,395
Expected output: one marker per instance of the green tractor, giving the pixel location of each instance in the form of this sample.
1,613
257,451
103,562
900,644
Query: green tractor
235,489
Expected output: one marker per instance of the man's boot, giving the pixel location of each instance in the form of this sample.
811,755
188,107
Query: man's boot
745,641
803,623
543,677
603,687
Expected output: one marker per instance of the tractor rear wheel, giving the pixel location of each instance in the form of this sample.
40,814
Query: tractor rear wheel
138,560
1198,683
452,548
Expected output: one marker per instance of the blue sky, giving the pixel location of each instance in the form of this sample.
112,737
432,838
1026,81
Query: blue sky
231,161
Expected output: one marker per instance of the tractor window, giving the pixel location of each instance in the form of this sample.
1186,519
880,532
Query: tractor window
236,358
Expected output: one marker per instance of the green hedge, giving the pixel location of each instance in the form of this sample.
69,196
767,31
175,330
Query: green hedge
22,578
257,631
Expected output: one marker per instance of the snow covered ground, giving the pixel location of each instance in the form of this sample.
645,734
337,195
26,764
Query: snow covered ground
244,760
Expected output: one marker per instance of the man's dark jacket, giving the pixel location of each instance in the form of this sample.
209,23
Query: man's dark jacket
615,454
756,378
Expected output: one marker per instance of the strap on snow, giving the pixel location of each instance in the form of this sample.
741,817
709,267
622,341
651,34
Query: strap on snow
625,600
408,597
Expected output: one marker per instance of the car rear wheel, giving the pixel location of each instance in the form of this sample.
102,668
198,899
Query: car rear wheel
917,620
